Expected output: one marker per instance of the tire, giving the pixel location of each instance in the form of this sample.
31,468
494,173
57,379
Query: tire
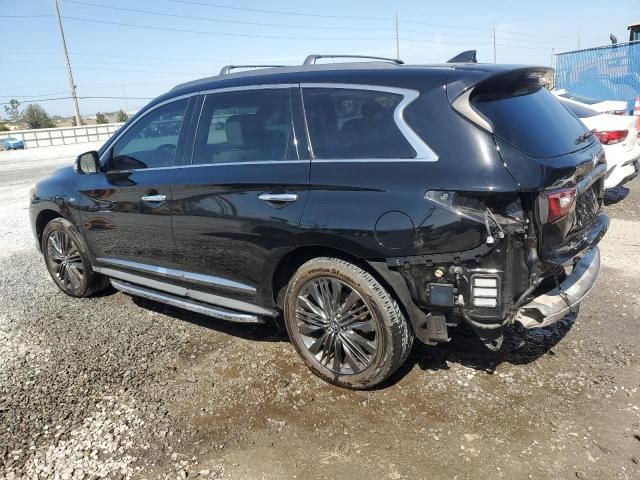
67,260
346,327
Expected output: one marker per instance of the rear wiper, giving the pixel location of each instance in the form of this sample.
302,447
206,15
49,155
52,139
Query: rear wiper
584,136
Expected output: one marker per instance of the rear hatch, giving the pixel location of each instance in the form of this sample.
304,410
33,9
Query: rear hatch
556,160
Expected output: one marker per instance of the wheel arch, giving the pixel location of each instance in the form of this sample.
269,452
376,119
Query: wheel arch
391,280
44,217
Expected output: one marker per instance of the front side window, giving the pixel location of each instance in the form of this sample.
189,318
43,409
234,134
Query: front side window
152,141
351,124
246,126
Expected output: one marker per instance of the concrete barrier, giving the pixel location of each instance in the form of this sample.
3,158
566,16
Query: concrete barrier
46,137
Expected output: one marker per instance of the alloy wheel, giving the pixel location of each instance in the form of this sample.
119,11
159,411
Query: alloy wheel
336,325
65,261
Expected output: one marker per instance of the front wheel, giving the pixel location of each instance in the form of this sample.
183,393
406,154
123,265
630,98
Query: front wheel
67,260
344,324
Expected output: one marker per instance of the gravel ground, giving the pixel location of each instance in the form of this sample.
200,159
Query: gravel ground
117,387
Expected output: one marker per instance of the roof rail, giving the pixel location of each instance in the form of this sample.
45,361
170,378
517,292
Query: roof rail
311,59
227,68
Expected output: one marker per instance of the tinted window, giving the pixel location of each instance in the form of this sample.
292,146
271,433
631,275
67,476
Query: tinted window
532,120
246,126
347,123
151,142
579,111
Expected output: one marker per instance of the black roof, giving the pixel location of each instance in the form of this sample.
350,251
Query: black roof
417,77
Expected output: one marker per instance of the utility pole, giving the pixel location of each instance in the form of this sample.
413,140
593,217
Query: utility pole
578,39
397,38
72,85
494,43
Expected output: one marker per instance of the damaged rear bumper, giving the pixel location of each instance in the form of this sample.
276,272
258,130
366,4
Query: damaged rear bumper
550,307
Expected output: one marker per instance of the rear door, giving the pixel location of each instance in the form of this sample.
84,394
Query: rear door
129,224
237,206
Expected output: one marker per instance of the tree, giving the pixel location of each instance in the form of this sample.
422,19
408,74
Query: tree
121,116
101,118
3,127
13,111
36,117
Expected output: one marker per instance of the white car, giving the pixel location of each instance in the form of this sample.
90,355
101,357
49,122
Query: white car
613,107
618,135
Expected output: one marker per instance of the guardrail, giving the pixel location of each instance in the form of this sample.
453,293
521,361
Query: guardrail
46,137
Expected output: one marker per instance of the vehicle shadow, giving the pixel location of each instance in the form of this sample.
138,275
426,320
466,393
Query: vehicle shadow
615,195
520,347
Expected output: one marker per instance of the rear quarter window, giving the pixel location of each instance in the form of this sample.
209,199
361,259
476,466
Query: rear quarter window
352,124
532,120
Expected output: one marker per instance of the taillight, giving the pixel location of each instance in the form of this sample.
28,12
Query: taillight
612,136
555,204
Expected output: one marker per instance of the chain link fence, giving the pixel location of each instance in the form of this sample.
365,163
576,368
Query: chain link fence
611,72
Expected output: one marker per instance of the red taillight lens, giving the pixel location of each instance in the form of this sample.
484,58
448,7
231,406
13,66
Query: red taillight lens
558,203
611,137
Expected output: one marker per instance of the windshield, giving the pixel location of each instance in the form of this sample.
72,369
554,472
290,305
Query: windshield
580,98
579,110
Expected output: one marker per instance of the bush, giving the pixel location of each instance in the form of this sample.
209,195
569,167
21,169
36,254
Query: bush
121,116
101,118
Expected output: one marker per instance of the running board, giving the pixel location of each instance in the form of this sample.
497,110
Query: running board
191,305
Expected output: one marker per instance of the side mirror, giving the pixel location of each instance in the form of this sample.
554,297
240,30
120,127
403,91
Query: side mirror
88,162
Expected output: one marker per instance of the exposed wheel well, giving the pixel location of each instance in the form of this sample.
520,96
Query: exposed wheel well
43,218
293,260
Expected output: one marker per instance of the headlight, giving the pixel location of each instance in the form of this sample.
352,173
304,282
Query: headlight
33,191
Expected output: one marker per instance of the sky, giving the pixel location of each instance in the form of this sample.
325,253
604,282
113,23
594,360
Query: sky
138,49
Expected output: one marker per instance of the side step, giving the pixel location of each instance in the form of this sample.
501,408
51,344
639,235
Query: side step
198,307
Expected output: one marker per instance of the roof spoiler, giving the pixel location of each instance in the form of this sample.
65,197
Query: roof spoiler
468,56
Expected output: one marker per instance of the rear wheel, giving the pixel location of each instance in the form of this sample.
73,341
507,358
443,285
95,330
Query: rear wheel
67,260
344,324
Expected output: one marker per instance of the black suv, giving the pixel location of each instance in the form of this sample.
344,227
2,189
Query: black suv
366,203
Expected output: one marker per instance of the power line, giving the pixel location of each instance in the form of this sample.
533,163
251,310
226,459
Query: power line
27,16
219,20
224,34
418,22
84,98
279,12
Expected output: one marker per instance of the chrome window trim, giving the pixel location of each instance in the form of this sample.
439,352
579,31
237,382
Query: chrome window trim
209,298
146,112
424,153
178,274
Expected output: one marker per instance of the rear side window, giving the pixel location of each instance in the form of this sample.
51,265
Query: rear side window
246,126
532,120
351,124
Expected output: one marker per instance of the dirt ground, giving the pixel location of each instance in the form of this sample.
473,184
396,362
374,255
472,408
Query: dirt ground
118,387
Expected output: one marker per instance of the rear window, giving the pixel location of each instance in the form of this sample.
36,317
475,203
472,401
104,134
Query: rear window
349,124
532,120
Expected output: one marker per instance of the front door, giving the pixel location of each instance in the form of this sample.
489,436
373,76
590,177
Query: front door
129,224
237,207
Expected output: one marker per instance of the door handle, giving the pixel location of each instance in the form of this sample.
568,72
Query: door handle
153,198
278,197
